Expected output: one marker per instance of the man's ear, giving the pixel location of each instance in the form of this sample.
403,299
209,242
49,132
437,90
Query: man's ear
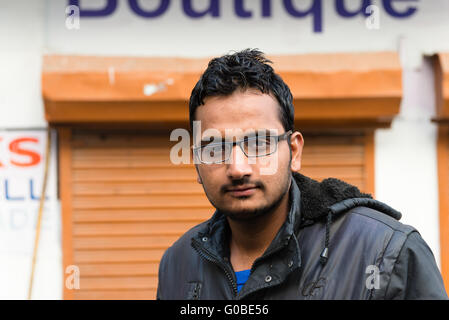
296,145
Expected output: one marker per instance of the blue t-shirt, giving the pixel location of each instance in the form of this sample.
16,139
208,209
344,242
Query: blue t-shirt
242,277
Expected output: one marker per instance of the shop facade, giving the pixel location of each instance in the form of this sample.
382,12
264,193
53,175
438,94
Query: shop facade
113,95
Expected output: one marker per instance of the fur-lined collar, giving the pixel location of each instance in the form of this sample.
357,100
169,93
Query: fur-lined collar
337,196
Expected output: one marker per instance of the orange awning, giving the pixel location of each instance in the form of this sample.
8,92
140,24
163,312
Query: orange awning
341,88
441,61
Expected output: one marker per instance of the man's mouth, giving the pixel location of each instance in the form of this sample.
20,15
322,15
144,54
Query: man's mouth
241,191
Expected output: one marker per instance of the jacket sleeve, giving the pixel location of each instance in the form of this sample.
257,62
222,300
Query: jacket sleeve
416,274
161,275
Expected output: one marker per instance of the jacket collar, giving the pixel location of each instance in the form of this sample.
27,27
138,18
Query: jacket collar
335,196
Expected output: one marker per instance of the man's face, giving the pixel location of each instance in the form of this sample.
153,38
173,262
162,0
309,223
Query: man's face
240,187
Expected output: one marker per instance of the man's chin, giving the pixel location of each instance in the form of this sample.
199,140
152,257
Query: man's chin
246,210
245,214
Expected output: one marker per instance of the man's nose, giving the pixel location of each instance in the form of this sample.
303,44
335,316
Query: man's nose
239,165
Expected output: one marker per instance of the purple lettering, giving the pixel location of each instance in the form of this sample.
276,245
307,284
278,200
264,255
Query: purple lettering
107,10
213,10
315,10
240,11
266,8
342,11
388,5
163,6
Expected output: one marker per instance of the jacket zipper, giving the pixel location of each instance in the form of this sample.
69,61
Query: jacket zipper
267,255
204,253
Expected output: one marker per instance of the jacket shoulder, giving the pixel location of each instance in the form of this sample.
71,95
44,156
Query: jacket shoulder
405,254
179,247
173,269
381,220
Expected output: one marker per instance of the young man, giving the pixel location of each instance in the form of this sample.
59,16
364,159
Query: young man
277,234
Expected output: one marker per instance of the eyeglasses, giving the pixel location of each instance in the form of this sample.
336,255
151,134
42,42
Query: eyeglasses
252,147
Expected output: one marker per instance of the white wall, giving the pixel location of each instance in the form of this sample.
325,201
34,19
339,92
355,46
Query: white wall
21,112
21,47
406,157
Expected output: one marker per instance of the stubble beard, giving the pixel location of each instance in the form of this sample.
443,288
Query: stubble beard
252,214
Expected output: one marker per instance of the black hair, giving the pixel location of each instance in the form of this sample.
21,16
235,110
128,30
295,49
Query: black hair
243,70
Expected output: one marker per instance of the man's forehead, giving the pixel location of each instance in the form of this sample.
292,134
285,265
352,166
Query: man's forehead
238,107
239,115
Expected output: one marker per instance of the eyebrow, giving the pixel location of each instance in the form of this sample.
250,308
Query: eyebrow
251,134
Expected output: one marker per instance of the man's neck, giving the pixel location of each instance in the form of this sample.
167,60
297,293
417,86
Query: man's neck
250,239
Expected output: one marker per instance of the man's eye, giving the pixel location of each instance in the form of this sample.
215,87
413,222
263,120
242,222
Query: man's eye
214,150
263,142
259,143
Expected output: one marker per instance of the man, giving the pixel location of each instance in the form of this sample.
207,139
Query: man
277,234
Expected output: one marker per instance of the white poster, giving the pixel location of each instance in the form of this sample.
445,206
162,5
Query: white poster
22,166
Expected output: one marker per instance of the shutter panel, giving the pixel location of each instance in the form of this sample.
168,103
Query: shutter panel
343,157
443,186
129,203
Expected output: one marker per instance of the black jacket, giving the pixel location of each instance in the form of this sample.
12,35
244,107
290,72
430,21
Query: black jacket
336,243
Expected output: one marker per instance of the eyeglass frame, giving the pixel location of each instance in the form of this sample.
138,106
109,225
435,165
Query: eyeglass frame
278,138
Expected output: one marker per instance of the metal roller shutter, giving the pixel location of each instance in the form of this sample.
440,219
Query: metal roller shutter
124,202
443,186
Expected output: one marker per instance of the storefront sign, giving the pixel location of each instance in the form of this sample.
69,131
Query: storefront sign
212,8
